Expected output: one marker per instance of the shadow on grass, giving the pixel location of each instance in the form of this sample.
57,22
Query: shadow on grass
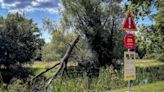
7,74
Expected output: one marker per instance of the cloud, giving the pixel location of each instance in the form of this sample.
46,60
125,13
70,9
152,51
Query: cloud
51,6
34,3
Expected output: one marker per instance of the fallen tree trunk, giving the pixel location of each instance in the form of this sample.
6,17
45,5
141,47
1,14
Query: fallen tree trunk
63,63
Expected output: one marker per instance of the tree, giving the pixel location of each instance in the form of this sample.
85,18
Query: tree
150,38
19,40
55,49
99,24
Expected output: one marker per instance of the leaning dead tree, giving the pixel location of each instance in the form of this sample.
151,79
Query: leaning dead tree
63,63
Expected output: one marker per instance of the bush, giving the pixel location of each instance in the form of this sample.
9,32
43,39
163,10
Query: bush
151,56
161,58
19,39
49,53
17,86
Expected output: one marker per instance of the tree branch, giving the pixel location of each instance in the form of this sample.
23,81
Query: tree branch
63,60
45,71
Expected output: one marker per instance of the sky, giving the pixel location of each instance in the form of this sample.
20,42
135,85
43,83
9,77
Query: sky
40,9
33,9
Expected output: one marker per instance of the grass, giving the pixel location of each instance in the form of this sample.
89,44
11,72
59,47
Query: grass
39,66
148,63
153,87
150,70
139,63
149,78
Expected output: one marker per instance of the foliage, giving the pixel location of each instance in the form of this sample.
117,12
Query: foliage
150,56
149,38
161,57
108,79
141,8
17,86
98,24
38,52
48,53
19,39
55,50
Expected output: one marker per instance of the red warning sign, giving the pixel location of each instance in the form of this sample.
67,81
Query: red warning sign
129,41
129,23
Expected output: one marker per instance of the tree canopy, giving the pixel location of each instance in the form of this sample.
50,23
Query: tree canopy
19,39
99,23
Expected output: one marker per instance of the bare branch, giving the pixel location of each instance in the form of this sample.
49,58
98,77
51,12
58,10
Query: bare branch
45,71
64,60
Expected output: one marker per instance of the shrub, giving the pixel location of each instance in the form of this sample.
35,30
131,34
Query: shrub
151,56
17,85
161,58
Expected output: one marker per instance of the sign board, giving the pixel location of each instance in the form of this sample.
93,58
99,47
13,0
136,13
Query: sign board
129,41
1,25
129,23
129,66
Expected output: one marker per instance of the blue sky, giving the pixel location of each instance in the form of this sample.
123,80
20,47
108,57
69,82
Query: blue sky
34,9
40,9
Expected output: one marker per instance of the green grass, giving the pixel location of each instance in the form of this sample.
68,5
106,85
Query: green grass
150,70
39,66
108,81
139,63
153,87
148,63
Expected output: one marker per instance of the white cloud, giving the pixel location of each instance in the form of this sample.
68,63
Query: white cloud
34,3
43,1
30,9
51,6
61,7
5,5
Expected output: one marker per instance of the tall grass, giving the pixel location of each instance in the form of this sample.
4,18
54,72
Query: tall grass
108,79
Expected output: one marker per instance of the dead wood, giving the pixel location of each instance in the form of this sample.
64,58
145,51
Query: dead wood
63,61
40,74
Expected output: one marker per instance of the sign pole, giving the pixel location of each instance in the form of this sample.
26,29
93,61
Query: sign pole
128,85
129,41
128,80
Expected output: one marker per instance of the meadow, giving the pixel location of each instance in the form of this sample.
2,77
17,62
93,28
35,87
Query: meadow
149,78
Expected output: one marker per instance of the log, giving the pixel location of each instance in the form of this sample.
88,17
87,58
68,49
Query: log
64,60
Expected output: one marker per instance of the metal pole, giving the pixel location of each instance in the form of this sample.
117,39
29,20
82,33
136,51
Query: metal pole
128,85
128,80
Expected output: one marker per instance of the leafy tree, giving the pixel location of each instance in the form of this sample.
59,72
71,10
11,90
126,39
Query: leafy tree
150,38
99,24
38,52
56,48
19,39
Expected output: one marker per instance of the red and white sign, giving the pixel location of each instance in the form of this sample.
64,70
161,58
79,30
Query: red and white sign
129,23
129,41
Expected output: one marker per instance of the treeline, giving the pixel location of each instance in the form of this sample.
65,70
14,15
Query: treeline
97,24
